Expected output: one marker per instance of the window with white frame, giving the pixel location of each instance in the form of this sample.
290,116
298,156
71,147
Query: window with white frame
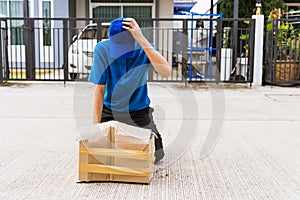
47,13
122,8
14,8
3,8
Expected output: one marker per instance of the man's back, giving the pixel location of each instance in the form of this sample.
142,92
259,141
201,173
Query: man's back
125,78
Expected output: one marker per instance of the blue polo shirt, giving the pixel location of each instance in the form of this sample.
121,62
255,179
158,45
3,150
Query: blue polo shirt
125,79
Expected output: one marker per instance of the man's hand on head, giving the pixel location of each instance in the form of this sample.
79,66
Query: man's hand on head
132,26
159,63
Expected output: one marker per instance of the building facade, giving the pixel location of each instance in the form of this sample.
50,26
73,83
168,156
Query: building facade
68,9
89,8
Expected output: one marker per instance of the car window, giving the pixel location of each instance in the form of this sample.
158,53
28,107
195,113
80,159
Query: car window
105,33
91,33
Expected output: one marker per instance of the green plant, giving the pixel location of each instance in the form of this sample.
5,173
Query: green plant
246,8
287,38
288,42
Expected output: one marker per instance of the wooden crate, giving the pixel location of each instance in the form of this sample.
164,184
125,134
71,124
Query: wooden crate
118,157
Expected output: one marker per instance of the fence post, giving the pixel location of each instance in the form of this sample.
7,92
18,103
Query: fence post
29,48
151,39
258,50
99,30
1,53
218,51
184,53
65,49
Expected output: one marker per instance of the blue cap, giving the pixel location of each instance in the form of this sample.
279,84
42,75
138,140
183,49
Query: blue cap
122,42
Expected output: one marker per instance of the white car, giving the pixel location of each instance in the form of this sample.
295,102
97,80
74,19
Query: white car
81,50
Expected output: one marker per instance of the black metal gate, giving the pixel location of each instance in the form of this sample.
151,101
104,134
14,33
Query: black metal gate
235,50
226,57
282,52
61,49
3,51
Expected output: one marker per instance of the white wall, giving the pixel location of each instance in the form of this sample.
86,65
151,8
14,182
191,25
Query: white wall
165,8
81,8
81,12
60,8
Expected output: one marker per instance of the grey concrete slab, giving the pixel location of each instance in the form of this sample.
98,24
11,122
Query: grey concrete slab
256,155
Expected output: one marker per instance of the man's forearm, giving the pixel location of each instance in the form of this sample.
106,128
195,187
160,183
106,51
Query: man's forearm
98,103
159,63
98,111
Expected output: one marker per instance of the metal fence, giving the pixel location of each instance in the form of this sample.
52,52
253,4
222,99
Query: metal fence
61,49
282,52
3,52
235,50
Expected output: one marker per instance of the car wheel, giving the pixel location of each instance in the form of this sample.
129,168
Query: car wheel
73,76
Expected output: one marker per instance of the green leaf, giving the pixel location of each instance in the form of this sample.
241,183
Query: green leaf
244,36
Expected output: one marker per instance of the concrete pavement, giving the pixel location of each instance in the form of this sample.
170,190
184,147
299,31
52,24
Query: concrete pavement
256,132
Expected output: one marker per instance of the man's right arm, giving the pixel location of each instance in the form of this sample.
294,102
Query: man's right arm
98,102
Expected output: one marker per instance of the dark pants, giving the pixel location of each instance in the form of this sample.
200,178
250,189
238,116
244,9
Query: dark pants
141,118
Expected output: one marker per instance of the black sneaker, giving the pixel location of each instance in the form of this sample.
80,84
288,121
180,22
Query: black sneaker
159,151
159,155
